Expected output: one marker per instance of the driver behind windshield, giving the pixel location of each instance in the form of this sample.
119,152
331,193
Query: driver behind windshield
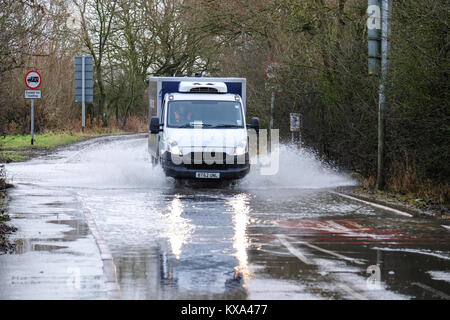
180,115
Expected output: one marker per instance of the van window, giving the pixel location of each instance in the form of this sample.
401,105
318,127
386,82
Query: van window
205,114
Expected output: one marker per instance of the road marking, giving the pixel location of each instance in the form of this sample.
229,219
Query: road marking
293,250
379,206
109,268
357,226
432,254
338,226
432,290
357,261
284,241
353,293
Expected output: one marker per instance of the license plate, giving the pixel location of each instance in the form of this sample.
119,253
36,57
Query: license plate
207,175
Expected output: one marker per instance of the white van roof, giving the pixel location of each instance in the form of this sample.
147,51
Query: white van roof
202,86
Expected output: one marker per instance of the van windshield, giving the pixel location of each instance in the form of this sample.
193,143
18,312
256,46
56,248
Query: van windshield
205,114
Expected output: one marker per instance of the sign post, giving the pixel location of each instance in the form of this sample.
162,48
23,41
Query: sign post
33,81
294,119
270,72
84,84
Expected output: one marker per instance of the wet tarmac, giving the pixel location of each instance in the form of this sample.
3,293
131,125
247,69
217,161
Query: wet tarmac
96,222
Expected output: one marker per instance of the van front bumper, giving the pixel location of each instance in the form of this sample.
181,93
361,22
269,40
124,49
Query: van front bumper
230,171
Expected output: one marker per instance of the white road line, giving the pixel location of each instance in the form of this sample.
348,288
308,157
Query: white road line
355,295
293,250
109,268
284,241
357,261
357,226
337,226
432,290
379,206
432,254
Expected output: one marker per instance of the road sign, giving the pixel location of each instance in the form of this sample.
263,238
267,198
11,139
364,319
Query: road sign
33,79
84,79
84,84
271,70
32,94
295,121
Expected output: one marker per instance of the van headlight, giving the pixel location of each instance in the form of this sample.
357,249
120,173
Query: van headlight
173,148
241,148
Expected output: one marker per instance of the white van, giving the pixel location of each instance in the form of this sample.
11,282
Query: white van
198,129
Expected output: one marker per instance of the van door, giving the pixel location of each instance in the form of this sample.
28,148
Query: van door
155,138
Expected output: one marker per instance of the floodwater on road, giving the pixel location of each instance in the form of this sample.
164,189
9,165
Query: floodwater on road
286,236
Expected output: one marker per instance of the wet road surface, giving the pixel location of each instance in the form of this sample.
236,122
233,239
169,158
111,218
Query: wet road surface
96,222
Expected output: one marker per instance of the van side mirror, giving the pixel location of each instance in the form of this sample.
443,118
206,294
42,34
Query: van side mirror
154,125
254,124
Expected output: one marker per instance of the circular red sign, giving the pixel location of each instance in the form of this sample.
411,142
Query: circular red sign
33,79
268,70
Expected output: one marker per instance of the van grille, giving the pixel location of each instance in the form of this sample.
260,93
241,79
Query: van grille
219,158
204,90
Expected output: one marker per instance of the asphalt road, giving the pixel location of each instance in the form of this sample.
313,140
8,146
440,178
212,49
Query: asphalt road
95,221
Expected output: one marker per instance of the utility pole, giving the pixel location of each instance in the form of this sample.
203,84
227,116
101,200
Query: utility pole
379,27
386,10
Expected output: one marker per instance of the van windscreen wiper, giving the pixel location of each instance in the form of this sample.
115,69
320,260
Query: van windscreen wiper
227,126
195,125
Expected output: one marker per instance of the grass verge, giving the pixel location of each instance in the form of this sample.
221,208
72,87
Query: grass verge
41,141
8,156
405,202
18,148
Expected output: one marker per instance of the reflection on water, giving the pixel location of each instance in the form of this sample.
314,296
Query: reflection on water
178,228
178,241
76,229
241,210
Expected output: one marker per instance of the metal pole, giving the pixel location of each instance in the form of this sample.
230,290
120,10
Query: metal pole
272,103
32,121
386,8
83,98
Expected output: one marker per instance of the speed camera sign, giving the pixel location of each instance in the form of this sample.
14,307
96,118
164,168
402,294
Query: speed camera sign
33,80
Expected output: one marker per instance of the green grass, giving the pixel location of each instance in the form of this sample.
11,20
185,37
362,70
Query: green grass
41,141
7,157
18,148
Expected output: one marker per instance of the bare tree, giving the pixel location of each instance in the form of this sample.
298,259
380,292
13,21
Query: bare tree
96,19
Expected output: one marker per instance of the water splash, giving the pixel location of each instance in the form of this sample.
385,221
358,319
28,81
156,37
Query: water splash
126,164
298,168
117,164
